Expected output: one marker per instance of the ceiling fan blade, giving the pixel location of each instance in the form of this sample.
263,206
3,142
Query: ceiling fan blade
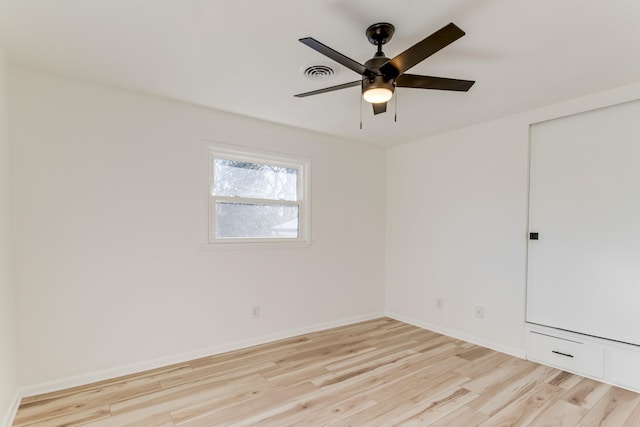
422,50
430,82
336,56
330,89
379,107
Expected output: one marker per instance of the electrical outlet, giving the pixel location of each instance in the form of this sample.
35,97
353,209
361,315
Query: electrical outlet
440,303
479,312
255,311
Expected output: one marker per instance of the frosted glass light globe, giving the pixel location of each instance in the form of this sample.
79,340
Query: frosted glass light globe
377,95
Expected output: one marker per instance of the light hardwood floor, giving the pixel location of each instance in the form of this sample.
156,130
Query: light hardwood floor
376,373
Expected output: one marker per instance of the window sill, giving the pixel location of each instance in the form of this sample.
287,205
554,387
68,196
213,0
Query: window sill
254,245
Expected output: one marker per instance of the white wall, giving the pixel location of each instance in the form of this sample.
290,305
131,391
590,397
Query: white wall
456,217
111,275
8,364
457,225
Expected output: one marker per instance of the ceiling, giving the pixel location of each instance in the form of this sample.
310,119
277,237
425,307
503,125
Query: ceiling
244,56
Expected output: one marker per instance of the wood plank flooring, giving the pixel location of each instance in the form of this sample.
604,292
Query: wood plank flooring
377,373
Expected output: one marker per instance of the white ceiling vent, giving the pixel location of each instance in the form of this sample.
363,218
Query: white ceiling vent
318,72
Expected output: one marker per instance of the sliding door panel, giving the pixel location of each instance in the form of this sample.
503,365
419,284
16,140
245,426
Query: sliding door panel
584,267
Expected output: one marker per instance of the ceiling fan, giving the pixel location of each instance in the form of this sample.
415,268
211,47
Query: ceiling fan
381,75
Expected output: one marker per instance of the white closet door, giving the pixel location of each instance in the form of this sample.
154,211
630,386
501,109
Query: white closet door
584,270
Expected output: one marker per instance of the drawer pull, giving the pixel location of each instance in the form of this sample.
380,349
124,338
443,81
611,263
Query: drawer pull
561,354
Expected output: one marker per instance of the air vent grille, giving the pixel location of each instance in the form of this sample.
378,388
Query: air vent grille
319,72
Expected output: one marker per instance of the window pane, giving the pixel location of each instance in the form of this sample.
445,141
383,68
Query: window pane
244,220
254,180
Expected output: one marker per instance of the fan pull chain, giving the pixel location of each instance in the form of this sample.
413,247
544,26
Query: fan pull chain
395,114
360,112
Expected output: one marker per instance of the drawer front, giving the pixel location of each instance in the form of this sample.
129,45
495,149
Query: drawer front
575,356
623,367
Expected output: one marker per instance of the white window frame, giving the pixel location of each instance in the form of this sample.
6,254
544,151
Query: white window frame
229,152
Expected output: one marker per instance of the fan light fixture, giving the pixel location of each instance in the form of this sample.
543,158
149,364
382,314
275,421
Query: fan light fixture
377,94
377,90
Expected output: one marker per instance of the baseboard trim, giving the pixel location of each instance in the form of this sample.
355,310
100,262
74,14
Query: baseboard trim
7,421
106,374
133,368
512,351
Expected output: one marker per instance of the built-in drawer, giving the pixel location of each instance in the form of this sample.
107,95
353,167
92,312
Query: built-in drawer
585,358
623,367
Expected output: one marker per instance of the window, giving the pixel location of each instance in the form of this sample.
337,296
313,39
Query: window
256,197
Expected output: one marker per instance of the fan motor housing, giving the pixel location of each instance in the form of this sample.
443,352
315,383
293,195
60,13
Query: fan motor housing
376,62
378,81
